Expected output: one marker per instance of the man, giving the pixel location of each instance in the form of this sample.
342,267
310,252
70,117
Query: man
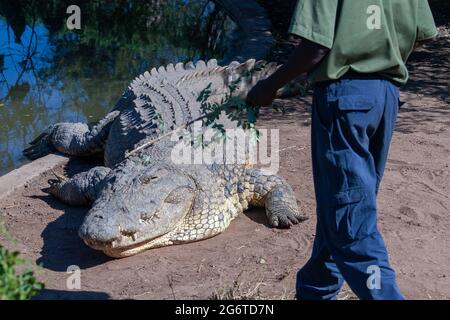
354,51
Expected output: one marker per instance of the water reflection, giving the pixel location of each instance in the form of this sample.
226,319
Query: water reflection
49,75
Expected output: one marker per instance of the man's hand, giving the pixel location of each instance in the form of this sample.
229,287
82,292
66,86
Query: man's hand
262,94
304,58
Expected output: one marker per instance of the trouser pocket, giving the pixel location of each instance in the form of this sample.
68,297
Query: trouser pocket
352,215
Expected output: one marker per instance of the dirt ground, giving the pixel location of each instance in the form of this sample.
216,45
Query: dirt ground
251,260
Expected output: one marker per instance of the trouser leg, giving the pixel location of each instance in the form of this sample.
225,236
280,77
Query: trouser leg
349,117
319,279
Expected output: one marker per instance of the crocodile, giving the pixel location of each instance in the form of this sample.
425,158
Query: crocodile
145,200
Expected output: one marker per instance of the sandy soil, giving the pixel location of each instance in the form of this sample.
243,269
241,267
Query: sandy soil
251,260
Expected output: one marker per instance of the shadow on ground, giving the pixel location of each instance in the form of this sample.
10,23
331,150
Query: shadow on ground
258,215
427,91
62,245
423,65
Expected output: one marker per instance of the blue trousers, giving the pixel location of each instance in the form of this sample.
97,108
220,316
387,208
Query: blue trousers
352,124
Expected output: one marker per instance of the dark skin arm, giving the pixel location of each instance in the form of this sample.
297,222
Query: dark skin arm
422,43
304,58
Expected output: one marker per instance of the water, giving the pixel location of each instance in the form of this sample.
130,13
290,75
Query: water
49,74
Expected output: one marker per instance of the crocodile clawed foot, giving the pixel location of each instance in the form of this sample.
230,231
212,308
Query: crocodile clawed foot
55,186
285,218
41,146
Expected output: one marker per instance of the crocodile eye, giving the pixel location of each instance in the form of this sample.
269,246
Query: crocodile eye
147,179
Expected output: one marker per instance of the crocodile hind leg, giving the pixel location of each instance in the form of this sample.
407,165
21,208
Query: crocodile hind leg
75,139
80,190
276,195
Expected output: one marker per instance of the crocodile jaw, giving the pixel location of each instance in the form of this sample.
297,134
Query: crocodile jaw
110,249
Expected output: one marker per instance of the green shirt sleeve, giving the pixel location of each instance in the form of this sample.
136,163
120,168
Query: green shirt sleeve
315,20
426,28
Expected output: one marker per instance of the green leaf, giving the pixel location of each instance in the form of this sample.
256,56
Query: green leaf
12,285
236,108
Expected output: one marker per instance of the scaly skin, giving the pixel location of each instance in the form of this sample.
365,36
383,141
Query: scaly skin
211,197
146,200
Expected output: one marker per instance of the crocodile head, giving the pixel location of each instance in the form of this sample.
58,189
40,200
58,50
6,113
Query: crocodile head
136,207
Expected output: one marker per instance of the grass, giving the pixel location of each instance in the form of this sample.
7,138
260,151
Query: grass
17,281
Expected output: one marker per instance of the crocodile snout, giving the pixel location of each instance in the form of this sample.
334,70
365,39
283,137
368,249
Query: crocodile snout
134,212
98,234
101,234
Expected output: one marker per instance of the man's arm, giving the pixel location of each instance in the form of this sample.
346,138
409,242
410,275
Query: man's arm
421,43
305,56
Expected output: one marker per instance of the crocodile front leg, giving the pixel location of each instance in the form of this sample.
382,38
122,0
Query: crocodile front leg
80,190
75,139
275,194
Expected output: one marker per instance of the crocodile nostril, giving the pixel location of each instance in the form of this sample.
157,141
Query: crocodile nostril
98,216
128,233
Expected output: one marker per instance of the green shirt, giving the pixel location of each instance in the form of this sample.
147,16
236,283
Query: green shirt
366,36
